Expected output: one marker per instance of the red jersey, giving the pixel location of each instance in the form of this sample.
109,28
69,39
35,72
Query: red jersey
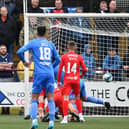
62,10
71,62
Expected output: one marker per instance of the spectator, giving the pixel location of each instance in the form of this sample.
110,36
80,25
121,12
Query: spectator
34,8
126,63
19,5
7,30
59,7
89,61
113,7
14,12
20,66
11,7
103,7
6,63
112,63
33,22
79,36
32,30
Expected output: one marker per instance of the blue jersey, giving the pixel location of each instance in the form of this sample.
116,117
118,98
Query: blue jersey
43,52
82,85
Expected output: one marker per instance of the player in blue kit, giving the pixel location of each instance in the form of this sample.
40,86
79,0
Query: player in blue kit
45,58
83,94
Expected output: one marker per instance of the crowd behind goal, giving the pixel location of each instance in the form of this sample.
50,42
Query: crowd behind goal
92,45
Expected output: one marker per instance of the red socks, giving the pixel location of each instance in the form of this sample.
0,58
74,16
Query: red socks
79,105
65,107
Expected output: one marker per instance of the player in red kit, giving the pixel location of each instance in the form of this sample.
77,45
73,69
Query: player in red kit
41,103
72,63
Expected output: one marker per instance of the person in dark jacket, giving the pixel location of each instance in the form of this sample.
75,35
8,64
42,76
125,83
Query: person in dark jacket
112,63
14,12
113,7
89,61
59,7
12,9
7,30
34,8
103,7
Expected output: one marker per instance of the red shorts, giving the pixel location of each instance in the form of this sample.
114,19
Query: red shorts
68,86
42,93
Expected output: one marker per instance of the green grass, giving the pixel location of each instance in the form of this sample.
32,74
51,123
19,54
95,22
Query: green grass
17,122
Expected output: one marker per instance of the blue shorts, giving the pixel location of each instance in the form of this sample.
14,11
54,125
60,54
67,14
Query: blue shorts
41,81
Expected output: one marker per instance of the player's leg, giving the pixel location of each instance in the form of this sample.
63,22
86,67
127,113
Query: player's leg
91,99
33,111
73,109
36,89
58,99
66,89
51,105
76,90
41,104
96,101
79,107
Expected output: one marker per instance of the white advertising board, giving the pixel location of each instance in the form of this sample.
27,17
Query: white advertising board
13,94
117,93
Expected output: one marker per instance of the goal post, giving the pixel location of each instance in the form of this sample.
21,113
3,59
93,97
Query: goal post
99,32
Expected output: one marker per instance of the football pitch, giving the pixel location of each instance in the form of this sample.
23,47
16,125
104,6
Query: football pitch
17,122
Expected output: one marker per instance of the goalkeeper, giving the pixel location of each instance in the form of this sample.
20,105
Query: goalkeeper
83,94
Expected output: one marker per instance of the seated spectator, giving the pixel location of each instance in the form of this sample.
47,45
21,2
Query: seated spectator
80,21
59,7
113,7
103,7
79,36
112,63
20,66
7,30
89,61
34,8
6,63
126,63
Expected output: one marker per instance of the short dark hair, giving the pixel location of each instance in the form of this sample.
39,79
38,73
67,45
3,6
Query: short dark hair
1,45
71,44
41,30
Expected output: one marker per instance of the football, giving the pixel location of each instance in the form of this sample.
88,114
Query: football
107,77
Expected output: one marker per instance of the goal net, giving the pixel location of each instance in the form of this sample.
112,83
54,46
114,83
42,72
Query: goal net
102,40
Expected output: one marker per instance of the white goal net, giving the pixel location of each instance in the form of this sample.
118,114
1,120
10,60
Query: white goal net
103,41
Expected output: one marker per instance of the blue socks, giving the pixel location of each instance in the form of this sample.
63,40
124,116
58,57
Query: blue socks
51,106
34,109
94,100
